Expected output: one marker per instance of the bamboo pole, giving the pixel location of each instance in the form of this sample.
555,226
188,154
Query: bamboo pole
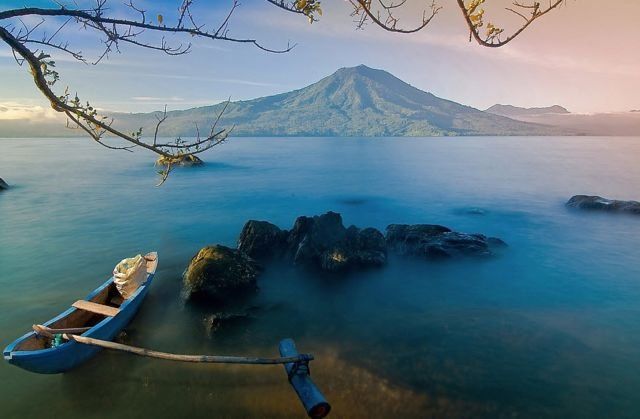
49,332
212,359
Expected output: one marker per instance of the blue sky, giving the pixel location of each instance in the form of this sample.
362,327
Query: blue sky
560,59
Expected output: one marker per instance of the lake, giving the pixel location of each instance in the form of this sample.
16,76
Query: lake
550,328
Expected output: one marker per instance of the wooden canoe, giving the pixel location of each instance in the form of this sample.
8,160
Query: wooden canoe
104,312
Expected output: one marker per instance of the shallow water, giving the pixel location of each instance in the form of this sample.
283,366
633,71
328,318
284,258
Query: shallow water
549,329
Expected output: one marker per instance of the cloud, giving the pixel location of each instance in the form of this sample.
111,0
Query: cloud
214,79
15,110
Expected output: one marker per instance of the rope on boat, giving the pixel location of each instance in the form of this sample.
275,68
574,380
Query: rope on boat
211,359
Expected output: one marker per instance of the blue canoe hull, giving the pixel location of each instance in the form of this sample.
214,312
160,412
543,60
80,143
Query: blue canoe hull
71,354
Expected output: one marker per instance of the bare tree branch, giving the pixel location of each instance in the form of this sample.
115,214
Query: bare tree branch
383,14
115,30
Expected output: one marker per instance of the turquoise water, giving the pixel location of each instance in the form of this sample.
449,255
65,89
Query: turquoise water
549,329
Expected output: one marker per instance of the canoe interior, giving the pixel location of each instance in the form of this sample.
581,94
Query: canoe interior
109,296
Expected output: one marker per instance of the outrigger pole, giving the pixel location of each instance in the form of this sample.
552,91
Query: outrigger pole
296,365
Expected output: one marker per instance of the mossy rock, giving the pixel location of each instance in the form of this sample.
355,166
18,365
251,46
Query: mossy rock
185,161
218,273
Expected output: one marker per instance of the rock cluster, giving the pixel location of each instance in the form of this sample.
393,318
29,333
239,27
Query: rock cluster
321,242
603,204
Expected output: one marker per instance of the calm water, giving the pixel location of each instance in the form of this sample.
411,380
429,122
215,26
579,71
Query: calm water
549,329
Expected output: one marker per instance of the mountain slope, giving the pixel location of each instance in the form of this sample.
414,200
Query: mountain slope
357,101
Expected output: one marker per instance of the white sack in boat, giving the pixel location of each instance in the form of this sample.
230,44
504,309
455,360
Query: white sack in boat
129,274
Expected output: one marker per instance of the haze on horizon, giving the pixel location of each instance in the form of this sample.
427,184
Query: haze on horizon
580,56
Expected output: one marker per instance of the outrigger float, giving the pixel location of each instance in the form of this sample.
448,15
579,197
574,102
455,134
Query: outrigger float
89,325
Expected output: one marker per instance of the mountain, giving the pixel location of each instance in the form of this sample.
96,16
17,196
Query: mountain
605,123
356,101
511,111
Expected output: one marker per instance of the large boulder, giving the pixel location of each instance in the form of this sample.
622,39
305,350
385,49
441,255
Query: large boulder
3,185
310,237
323,242
261,239
436,241
603,204
218,272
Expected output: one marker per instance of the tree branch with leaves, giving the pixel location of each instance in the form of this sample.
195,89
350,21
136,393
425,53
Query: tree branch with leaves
386,14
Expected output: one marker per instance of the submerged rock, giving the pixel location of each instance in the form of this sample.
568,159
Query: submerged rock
436,241
603,204
3,185
218,272
261,239
216,321
471,211
185,161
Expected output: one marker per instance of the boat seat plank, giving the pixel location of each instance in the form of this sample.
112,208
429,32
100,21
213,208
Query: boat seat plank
96,308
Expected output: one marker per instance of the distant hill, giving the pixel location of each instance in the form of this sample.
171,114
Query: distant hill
511,111
356,101
611,123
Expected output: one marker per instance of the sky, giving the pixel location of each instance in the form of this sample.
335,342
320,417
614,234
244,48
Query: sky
583,56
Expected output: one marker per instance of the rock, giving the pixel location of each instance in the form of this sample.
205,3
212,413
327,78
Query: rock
470,211
216,321
321,242
368,246
476,211
436,241
312,236
184,161
598,203
218,272
261,239
3,185
404,238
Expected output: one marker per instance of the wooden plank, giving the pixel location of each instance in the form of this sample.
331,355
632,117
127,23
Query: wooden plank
96,308
49,332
